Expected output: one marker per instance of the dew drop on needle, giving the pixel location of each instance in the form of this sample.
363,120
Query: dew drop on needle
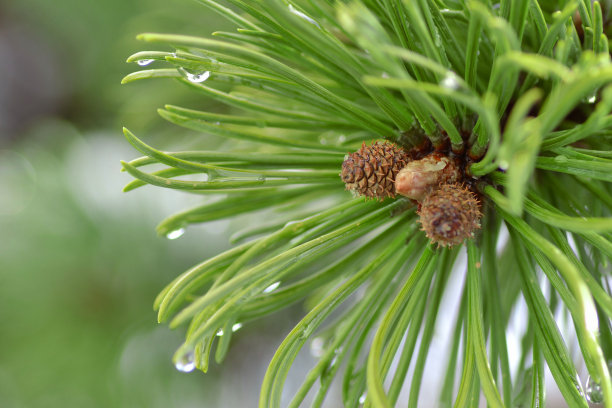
177,233
195,76
186,362
450,81
594,392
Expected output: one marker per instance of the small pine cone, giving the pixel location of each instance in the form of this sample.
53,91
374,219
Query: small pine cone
420,176
450,214
371,170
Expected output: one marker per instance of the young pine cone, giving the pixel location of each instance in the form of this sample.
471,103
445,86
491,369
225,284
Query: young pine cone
371,170
450,214
419,177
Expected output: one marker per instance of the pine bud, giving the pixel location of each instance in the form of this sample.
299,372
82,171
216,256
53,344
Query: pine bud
450,214
371,170
420,176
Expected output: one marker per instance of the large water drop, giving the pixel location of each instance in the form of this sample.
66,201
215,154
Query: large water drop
450,81
186,362
195,76
177,233
594,393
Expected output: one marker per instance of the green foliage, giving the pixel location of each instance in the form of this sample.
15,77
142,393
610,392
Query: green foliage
524,89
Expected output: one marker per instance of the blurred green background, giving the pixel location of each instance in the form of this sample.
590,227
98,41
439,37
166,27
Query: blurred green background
80,263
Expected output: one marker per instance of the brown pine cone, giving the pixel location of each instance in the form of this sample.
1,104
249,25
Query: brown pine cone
371,170
450,214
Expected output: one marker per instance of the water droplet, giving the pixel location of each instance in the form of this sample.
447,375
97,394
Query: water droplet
302,15
272,287
236,327
220,333
186,362
362,399
329,369
578,385
594,393
503,165
561,158
261,178
591,98
450,81
177,233
144,62
196,76
384,75
317,347
342,139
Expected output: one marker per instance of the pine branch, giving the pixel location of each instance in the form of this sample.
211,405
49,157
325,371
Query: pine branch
508,106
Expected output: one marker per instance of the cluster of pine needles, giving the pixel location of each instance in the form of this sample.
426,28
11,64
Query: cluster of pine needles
523,88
